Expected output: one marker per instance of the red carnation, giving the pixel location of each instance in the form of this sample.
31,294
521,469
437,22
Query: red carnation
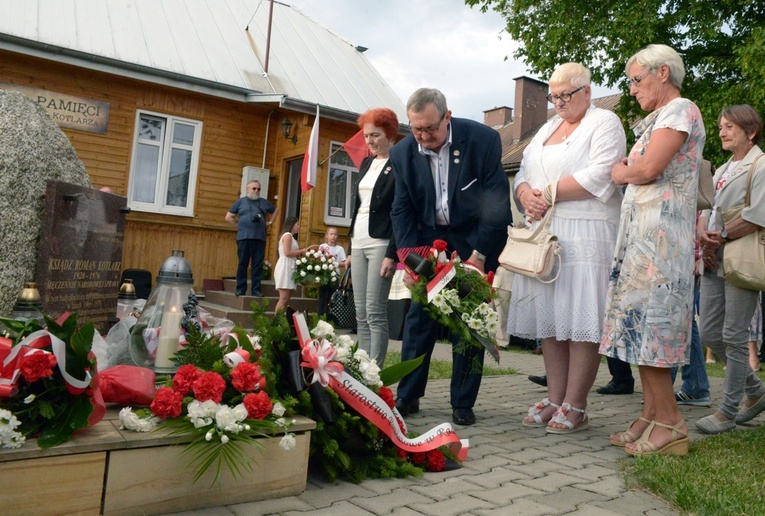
419,458
436,461
37,365
490,278
258,405
167,403
209,386
402,454
246,377
439,267
387,396
440,245
185,378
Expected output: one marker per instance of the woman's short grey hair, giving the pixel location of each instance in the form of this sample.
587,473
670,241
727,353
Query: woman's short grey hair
747,118
653,56
571,73
420,99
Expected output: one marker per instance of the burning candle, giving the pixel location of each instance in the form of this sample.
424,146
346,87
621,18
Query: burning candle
169,333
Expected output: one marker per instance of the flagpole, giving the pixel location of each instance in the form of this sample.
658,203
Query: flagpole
328,157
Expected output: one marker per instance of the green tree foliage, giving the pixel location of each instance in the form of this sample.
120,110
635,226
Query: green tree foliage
722,44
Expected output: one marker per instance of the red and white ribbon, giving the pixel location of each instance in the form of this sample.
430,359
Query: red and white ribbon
368,403
236,357
34,343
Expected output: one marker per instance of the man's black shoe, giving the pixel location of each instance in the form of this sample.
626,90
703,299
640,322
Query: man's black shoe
463,416
539,380
257,294
239,293
616,388
407,407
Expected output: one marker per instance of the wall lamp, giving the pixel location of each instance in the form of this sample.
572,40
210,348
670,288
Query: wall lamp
286,129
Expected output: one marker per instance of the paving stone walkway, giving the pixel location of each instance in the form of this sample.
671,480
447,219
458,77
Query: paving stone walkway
511,469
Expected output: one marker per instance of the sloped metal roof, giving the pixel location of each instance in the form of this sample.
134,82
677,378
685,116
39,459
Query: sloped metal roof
202,45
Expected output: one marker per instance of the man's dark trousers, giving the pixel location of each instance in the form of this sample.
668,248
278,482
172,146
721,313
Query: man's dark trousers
250,250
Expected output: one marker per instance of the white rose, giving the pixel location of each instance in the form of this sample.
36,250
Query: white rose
323,329
302,274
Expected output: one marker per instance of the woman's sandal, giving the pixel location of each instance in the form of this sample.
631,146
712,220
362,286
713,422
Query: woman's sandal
628,437
534,412
676,446
560,418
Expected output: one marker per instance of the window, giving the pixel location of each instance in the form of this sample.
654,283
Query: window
342,179
164,164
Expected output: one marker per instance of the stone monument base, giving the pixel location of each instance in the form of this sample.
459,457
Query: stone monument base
105,470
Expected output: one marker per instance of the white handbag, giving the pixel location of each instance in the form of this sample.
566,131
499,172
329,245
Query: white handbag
533,253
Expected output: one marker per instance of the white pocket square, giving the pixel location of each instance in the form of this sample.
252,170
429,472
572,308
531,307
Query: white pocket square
469,184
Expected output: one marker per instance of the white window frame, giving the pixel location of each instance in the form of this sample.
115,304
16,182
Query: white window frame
163,173
344,221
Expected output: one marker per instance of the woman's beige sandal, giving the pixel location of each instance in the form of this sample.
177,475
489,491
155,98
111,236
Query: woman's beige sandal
561,418
677,445
535,411
628,437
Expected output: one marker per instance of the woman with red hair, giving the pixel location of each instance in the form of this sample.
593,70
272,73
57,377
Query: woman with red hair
373,250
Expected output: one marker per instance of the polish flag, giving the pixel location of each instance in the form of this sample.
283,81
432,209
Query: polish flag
308,172
357,148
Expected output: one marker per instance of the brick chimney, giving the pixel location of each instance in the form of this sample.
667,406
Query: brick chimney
530,106
498,117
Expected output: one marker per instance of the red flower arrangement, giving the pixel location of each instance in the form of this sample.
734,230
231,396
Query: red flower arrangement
216,394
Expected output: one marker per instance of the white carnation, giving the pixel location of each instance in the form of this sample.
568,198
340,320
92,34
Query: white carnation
288,442
322,330
278,409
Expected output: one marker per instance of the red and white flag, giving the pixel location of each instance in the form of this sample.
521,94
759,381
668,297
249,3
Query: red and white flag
357,148
308,172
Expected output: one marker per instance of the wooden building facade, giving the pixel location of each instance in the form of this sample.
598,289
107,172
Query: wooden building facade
229,134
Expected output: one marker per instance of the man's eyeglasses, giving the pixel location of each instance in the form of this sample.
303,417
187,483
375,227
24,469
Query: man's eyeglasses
429,130
256,189
634,81
565,97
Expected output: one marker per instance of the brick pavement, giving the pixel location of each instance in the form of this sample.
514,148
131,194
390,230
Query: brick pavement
511,469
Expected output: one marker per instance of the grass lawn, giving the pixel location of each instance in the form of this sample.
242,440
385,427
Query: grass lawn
440,369
722,474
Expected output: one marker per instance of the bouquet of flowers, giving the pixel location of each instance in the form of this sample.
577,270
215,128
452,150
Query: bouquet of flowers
454,293
48,382
358,432
316,267
217,395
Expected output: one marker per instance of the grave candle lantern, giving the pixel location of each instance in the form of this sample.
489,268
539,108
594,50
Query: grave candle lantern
155,337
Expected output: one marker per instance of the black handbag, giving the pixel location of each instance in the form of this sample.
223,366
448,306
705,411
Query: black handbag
341,311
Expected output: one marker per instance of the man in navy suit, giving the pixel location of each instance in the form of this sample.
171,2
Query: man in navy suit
450,185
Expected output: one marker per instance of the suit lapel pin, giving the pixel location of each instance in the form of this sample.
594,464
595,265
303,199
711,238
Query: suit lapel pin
387,169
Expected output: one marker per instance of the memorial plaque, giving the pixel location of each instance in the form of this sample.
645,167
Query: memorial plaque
78,268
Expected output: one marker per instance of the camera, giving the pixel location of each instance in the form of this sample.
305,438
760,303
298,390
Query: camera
256,217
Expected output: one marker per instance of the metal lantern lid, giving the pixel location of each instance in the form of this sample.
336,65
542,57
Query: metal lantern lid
127,290
29,295
176,269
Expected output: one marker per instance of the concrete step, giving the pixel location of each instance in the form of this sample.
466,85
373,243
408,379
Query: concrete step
240,312
267,288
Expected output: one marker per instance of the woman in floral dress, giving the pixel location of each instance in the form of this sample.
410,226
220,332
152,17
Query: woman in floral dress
649,307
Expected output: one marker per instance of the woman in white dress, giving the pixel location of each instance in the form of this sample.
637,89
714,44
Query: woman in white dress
288,253
575,150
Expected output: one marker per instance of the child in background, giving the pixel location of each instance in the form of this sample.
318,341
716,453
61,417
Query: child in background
325,291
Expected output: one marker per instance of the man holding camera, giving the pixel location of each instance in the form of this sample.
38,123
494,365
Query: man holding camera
249,215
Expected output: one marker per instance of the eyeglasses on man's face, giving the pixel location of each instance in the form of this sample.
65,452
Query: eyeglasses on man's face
634,81
565,97
430,130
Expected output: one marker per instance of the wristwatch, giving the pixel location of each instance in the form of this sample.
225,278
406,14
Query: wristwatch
479,256
724,235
